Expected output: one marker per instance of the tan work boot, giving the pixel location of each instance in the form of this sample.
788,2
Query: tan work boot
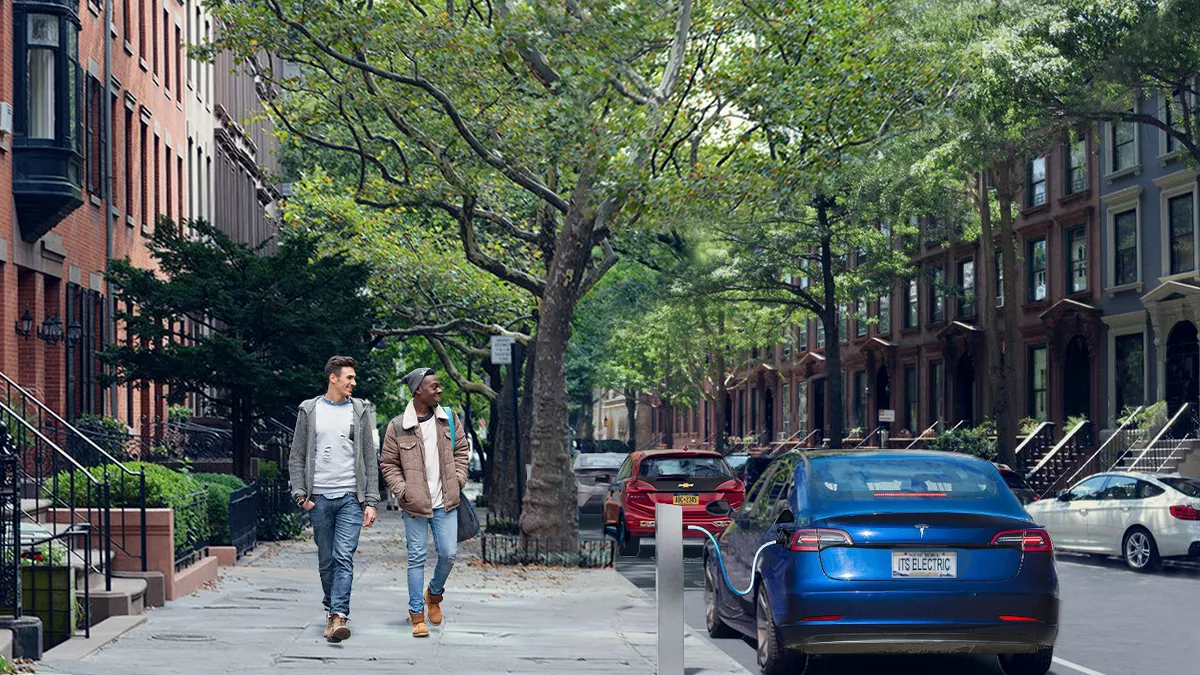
339,631
433,604
329,626
417,619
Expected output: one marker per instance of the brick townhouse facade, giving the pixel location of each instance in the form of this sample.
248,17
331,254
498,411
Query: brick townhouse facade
64,213
919,351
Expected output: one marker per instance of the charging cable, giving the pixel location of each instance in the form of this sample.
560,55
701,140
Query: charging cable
721,561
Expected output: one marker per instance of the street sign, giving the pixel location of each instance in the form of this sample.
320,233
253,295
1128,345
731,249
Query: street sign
887,415
502,350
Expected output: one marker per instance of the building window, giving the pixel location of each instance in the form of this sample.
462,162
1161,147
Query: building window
166,35
144,172
885,314
860,323
95,137
125,19
1037,181
1037,270
1124,145
157,209
1181,214
127,170
154,35
168,185
1037,383
788,334
1077,259
1126,253
1173,115
1077,178
910,398
142,28
178,64
937,393
820,334
1130,372
966,282
844,322
51,79
911,303
937,295
785,394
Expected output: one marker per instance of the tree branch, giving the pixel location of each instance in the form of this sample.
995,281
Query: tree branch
462,382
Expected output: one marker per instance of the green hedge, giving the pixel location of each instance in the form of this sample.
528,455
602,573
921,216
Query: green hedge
165,488
220,487
979,442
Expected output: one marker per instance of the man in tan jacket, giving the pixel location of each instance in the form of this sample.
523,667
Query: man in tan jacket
426,470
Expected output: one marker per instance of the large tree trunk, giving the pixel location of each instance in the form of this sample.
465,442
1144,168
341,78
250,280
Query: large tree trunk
501,485
243,422
550,509
1014,348
631,417
834,400
998,389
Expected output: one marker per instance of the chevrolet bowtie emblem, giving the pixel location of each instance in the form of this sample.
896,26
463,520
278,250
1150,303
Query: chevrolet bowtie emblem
687,485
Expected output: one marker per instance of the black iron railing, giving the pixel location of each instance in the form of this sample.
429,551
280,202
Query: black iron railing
49,441
10,524
243,518
1035,446
1116,446
191,528
1166,446
278,516
1048,473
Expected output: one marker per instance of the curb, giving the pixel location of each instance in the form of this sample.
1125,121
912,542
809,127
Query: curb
103,633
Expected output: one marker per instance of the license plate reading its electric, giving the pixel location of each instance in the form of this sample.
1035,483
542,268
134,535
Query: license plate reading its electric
687,500
924,564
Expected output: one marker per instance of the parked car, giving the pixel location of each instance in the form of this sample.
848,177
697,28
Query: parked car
692,479
884,552
1016,482
594,473
1142,517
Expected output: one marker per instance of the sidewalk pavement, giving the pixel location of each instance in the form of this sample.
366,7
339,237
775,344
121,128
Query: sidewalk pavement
265,616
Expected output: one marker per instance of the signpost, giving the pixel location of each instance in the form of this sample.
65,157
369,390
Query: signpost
502,355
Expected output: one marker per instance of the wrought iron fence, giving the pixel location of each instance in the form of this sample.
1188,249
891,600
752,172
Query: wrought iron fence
505,549
55,581
191,528
278,516
10,525
243,518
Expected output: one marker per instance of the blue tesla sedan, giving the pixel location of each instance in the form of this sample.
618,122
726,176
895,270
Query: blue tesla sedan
884,552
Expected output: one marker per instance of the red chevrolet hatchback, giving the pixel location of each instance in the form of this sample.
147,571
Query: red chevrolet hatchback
689,478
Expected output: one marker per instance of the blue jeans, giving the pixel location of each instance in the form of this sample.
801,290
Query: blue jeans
444,525
336,526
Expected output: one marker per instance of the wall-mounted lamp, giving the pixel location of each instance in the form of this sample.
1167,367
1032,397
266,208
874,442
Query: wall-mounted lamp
24,326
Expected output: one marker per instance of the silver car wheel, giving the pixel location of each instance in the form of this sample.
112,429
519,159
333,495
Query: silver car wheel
763,624
1137,550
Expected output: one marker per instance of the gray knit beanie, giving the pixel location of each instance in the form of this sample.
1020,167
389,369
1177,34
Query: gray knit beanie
413,379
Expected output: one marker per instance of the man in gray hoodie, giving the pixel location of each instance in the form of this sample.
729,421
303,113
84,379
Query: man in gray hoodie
334,474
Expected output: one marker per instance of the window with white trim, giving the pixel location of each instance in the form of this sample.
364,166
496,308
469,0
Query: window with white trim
1125,252
1181,223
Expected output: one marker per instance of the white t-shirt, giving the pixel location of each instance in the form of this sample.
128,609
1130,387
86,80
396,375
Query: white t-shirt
433,461
335,473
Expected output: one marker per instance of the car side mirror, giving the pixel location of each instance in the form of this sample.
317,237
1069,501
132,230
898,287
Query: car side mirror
1064,496
786,518
720,507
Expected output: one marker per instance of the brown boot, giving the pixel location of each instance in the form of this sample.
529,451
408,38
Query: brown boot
417,619
340,631
329,626
433,604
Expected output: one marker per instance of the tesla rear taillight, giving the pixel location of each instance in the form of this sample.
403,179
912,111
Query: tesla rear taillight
1185,512
822,618
1030,541
811,541
639,490
1004,617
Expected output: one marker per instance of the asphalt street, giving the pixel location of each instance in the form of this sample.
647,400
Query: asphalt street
1114,622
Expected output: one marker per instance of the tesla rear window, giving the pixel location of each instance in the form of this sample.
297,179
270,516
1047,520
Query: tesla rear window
690,467
867,478
1188,486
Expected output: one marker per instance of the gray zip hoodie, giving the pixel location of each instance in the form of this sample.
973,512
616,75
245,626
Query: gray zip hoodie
302,457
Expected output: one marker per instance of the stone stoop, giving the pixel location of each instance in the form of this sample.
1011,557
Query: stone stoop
1189,464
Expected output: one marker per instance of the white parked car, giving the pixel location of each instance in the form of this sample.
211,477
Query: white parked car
1142,517
594,474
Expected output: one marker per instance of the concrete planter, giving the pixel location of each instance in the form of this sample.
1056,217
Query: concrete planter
160,546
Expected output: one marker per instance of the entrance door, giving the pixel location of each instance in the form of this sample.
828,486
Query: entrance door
883,393
819,408
1077,379
964,390
769,413
1183,371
